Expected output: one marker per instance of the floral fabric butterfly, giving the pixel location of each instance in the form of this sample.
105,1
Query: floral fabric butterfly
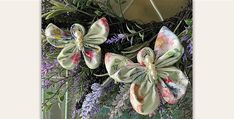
153,75
76,43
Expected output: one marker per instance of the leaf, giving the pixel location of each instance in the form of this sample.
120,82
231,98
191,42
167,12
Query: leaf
135,48
182,34
138,26
131,40
57,4
98,13
55,13
55,8
190,32
59,105
131,56
81,3
131,31
88,3
68,1
49,93
142,36
45,14
61,98
189,22
75,2
48,106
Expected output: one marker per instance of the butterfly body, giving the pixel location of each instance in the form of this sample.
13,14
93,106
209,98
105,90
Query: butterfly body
79,41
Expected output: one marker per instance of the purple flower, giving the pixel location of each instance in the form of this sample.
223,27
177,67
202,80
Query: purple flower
52,49
184,57
47,66
90,105
190,48
46,84
185,38
187,42
116,38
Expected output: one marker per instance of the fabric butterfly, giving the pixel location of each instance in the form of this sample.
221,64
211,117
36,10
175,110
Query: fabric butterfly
153,75
76,43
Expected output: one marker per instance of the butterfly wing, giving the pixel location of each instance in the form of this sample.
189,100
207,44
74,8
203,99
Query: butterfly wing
172,84
145,53
75,28
96,35
57,37
144,96
69,57
92,55
168,48
121,69
98,32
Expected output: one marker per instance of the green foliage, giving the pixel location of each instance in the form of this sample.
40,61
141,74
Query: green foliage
57,9
48,106
61,98
98,13
49,93
132,51
189,22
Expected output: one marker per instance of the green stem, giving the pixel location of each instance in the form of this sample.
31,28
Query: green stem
43,113
177,26
48,99
143,30
66,98
100,75
72,8
106,82
85,13
54,74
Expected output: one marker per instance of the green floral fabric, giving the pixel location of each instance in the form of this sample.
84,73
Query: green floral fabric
153,77
76,43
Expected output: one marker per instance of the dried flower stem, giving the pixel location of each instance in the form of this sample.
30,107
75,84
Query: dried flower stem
100,75
107,81
156,9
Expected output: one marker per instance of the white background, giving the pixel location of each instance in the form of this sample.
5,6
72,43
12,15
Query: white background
20,59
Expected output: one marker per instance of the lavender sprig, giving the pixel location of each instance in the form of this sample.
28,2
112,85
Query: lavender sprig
190,48
47,66
120,104
46,84
90,105
116,38
186,39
